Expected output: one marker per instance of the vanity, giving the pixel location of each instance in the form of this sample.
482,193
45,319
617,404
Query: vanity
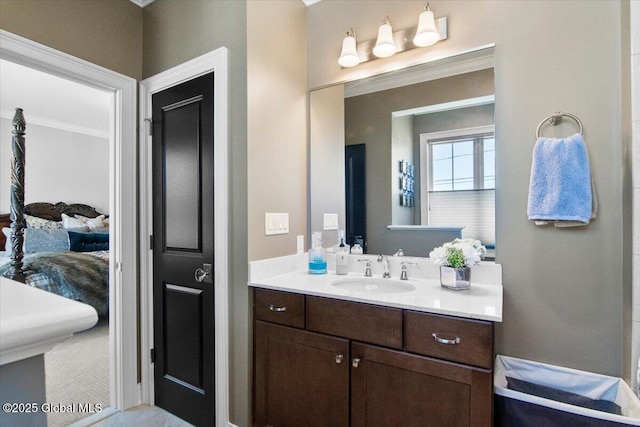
352,350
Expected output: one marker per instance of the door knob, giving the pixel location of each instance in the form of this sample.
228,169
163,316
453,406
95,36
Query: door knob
203,274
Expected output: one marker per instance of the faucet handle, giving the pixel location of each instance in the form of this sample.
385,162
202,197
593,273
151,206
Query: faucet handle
367,271
399,252
403,273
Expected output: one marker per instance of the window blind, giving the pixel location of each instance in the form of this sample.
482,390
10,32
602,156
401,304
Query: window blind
474,210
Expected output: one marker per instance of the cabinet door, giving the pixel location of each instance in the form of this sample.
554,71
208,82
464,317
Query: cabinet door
391,388
301,378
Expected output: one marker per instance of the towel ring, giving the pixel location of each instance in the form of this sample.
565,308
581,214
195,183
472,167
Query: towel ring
556,118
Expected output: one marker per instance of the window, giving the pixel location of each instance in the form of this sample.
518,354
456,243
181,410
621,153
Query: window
458,180
462,164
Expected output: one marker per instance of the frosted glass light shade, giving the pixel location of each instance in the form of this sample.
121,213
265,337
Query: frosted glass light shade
349,55
426,35
385,46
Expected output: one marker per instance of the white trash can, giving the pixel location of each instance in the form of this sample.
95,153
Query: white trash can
532,394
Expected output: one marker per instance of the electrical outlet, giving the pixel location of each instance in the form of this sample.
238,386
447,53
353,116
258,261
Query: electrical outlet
276,223
330,221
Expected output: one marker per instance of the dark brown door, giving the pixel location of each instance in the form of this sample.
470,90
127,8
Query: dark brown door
390,388
355,193
301,378
183,245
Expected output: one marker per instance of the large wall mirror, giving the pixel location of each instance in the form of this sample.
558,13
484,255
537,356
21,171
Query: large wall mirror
407,159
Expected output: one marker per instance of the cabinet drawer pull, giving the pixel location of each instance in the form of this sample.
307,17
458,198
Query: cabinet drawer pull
277,309
445,341
339,358
355,362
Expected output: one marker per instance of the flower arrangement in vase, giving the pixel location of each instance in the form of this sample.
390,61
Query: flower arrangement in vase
455,259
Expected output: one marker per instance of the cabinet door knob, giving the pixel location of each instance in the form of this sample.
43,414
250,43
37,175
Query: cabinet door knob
277,309
445,341
339,358
355,362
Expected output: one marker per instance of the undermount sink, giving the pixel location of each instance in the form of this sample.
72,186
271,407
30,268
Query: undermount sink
374,285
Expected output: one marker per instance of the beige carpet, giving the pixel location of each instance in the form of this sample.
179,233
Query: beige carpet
77,374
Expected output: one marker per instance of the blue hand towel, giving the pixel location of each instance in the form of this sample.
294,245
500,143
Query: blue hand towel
560,186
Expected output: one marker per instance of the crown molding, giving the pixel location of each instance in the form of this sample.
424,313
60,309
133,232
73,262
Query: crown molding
55,124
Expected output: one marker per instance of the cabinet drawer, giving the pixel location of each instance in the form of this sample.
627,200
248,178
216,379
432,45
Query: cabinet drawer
459,340
362,322
284,308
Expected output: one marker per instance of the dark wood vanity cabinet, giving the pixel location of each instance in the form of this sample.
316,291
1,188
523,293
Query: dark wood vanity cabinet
301,378
328,362
394,388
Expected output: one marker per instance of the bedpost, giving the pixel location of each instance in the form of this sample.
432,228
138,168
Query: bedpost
17,197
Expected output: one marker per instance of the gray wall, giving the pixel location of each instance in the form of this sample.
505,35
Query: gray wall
54,154
175,32
402,142
566,292
267,134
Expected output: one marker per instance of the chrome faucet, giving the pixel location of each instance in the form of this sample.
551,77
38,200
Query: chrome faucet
367,271
385,262
403,273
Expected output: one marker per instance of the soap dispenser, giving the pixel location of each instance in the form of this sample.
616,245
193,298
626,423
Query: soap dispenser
342,256
317,255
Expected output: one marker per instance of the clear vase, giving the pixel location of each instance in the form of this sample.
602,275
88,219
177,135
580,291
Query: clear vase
456,278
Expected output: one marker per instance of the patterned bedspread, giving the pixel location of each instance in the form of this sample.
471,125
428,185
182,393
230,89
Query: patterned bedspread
81,276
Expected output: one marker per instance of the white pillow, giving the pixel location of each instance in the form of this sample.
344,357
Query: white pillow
71,223
92,223
41,223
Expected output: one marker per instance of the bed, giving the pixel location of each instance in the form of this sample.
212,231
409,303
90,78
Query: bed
61,248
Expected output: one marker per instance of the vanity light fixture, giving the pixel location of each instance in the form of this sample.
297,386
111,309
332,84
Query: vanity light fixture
385,45
428,32
349,55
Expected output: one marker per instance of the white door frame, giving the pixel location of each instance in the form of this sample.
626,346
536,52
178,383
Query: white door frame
124,392
215,61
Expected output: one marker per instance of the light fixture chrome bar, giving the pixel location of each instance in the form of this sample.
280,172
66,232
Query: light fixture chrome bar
403,40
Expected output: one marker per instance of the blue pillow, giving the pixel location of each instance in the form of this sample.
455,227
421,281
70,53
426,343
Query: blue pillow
41,240
88,242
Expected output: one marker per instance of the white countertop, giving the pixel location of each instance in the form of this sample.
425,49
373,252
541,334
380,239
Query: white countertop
481,301
32,321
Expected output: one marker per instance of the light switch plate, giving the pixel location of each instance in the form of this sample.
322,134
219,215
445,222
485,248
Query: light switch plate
276,223
330,221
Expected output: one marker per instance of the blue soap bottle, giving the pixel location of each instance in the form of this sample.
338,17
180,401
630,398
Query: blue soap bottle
317,255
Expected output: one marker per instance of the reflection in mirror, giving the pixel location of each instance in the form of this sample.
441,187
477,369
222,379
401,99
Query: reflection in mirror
426,147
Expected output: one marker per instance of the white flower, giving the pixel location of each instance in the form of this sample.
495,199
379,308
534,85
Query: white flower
471,249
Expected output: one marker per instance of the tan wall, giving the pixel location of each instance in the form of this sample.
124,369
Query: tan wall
107,33
276,124
563,289
326,148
